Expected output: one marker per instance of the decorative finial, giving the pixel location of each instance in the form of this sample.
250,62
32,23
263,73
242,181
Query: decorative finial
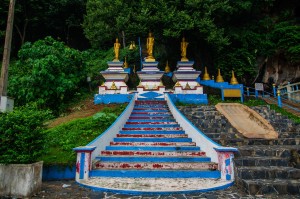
183,48
131,47
116,50
177,84
206,75
125,63
161,83
113,86
278,92
212,77
219,77
167,68
187,86
233,80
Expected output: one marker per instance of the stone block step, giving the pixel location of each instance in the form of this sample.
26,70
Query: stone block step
155,173
267,150
152,144
153,153
156,165
152,148
152,129
147,139
152,135
261,161
273,186
152,159
152,132
150,125
268,172
241,141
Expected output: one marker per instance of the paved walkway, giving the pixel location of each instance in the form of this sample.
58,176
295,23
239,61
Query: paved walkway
71,190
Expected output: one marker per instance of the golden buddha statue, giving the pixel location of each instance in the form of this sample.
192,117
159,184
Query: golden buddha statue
233,79
150,44
206,75
125,64
113,86
183,47
219,77
167,68
117,50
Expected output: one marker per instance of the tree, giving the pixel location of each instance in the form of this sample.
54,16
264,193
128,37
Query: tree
48,73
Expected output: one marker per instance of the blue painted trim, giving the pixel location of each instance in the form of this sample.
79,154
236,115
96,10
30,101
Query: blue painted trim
156,173
116,121
200,132
112,98
84,148
82,159
153,120
151,125
228,149
152,159
152,140
189,98
151,148
136,192
58,172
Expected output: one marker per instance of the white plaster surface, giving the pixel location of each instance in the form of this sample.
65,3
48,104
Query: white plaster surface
155,184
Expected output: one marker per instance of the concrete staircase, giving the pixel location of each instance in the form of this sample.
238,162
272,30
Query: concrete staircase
261,166
152,144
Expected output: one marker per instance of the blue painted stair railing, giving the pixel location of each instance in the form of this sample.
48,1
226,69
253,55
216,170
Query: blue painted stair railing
152,139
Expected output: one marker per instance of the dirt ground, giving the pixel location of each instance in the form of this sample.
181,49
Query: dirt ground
83,109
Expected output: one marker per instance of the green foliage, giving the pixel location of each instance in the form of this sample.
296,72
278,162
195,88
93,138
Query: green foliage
291,116
63,138
21,136
47,72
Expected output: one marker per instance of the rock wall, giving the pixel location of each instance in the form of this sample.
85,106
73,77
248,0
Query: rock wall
279,71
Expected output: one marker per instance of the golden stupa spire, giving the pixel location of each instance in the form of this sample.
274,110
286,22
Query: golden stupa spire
233,80
187,86
219,77
206,75
167,68
177,84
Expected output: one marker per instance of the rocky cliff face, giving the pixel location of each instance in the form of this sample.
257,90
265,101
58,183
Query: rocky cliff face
279,71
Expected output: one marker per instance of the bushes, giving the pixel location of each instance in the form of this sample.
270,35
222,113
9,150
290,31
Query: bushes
21,135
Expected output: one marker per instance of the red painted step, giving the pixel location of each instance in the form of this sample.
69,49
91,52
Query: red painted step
156,165
152,144
153,135
155,153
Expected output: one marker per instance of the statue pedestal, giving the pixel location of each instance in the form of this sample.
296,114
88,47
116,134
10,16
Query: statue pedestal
115,77
186,76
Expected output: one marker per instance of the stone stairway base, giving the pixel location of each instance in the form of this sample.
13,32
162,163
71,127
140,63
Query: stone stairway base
155,185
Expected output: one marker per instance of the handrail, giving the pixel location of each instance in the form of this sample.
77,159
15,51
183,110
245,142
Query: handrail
289,89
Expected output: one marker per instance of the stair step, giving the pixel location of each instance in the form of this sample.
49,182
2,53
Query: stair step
152,132
152,120
268,150
268,172
261,161
152,129
155,173
150,113
152,102
152,143
273,186
154,153
245,141
151,125
147,139
156,165
152,135
151,148
136,110
150,117
152,159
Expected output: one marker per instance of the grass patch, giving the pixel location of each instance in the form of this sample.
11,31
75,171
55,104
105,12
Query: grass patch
63,138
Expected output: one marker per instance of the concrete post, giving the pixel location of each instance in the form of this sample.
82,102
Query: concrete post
274,90
83,162
279,99
225,160
289,90
248,93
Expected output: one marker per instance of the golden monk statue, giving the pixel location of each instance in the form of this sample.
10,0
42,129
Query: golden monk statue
184,45
150,44
117,50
